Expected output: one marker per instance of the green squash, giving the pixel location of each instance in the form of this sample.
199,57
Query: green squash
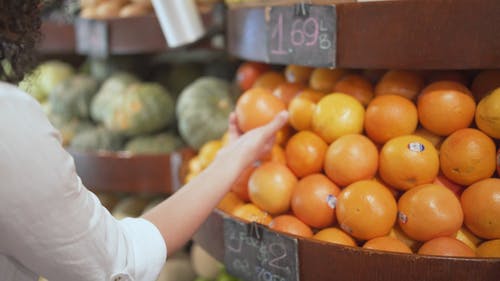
110,89
143,108
96,139
203,110
72,97
156,144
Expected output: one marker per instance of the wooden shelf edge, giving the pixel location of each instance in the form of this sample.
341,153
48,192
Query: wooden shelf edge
124,172
319,261
437,34
57,38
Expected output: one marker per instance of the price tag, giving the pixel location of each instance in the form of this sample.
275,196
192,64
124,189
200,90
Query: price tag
92,37
303,34
252,252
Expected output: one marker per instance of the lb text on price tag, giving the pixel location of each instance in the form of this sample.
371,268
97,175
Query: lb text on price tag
302,34
252,252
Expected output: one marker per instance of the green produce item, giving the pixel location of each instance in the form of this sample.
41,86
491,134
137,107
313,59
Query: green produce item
203,110
203,263
103,68
70,129
72,97
98,138
131,108
178,76
156,144
44,79
116,84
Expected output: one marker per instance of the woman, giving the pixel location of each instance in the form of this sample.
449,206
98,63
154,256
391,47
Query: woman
50,224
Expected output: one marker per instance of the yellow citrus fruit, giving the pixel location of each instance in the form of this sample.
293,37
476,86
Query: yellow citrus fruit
337,115
488,114
489,249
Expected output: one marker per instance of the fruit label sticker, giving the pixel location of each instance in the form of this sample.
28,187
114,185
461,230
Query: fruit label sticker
416,147
253,252
92,37
303,34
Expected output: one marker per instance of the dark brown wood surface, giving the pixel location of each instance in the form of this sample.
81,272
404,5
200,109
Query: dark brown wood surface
57,38
321,261
123,172
425,34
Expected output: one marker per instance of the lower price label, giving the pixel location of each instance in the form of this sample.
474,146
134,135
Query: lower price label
252,252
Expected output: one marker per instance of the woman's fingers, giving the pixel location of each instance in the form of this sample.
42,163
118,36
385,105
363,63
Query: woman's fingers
234,132
275,125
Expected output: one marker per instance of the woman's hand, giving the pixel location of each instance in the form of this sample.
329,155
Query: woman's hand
252,145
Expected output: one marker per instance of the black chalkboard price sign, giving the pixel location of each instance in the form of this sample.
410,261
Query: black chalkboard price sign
254,253
302,34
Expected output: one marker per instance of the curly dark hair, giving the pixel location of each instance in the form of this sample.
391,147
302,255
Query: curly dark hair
19,32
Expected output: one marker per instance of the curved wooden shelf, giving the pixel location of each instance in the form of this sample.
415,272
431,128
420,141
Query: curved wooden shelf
440,34
137,35
57,38
321,261
124,172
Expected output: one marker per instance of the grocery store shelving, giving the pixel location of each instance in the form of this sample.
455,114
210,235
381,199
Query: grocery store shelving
125,172
57,38
441,34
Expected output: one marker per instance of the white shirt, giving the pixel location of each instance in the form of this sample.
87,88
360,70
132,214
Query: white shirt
50,224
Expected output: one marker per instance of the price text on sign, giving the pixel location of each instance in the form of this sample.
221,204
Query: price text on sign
255,253
304,36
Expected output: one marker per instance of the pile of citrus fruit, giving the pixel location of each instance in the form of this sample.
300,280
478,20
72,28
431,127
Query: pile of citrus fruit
395,160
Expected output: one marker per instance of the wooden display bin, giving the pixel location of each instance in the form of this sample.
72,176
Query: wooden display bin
125,172
320,261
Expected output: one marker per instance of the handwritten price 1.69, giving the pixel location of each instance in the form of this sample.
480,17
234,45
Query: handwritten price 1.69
308,32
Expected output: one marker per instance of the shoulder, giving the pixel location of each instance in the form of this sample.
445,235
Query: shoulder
12,93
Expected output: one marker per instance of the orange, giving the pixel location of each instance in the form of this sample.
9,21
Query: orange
257,107
351,158
230,202
336,115
498,162
283,135
429,211
356,86
400,82
252,213
488,114
485,82
426,134
390,116
248,72
481,205
446,182
277,154
454,76
489,249
373,75
446,85
301,109
298,73
387,243
240,186
269,80
446,246
445,111
291,225
305,153
208,151
469,238
270,187
324,79
366,209
287,91
399,234
467,156
313,200
408,161
336,236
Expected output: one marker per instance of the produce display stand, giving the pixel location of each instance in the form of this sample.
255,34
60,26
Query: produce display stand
458,34
439,34
136,35
125,172
57,38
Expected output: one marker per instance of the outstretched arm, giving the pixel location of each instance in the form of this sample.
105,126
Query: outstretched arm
180,215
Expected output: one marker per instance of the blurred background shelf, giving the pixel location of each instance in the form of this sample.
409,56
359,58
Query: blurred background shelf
124,172
57,38
437,34
321,261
